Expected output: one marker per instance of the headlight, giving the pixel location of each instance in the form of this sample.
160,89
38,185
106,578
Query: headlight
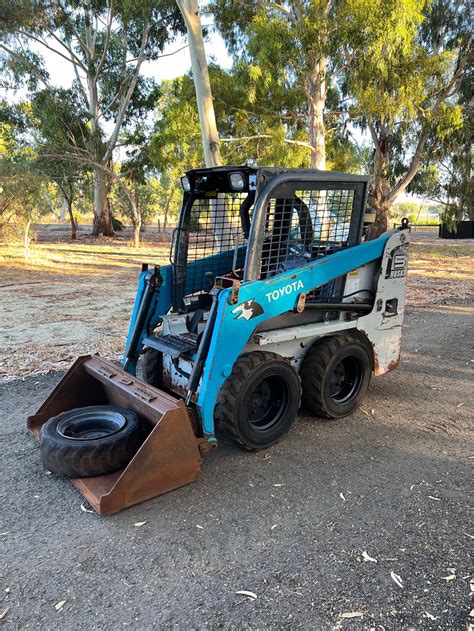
237,181
186,184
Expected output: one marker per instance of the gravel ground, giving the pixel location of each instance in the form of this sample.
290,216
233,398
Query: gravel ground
292,524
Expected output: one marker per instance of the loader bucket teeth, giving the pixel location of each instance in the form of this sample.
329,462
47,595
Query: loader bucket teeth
168,458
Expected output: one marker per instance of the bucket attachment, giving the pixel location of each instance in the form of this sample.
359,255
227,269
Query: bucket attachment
168,458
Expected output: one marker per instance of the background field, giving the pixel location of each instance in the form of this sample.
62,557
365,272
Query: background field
70,299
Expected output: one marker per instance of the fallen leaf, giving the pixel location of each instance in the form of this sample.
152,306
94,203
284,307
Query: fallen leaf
367,557
86,510
351,614
429,615
139,523
4,613
397,579
244,592
451,576
58,606
342,497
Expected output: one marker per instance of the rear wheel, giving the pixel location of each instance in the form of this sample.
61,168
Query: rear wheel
259,401
335,376
90,441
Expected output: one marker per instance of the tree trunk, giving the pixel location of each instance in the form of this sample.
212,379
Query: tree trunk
137,226
26,239
202,84
72,220
316,93
136,215
207,117
102,214
378,200
63,209
136,222
167,209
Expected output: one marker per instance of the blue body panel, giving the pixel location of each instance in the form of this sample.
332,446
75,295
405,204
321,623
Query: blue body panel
162,300
231,333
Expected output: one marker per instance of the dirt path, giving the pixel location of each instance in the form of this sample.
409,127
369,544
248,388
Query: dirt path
291,524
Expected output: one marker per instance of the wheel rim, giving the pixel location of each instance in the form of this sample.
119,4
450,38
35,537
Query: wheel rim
268,403
345,380
89,425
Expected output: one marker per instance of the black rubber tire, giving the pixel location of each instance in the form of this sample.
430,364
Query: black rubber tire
320,365
88,457
152,367
248,374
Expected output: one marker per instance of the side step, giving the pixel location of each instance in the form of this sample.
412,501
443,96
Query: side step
174,345
168,458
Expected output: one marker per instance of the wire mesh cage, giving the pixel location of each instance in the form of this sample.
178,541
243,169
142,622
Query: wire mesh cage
216,236
306,225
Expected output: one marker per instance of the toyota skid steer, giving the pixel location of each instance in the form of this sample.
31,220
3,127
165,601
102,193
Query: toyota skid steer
272,298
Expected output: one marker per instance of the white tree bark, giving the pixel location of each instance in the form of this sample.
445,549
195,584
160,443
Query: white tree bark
223,232
202,84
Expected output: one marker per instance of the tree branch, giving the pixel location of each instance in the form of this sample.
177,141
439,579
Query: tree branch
300,143
373,134
54,50
126,99
32,68
106,42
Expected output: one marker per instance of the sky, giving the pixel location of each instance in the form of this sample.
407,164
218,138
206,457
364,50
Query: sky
174,63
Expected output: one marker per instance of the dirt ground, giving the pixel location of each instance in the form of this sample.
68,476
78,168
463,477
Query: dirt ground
362,523
73,298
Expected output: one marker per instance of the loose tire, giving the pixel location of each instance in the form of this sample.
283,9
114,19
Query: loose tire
335,376
259,401
89,441
152,367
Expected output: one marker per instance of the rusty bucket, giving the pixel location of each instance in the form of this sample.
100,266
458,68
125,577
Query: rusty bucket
168,458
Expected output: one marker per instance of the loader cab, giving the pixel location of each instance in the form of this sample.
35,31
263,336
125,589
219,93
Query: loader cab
252,223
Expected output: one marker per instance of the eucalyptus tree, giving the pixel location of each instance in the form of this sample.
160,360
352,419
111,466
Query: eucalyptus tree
55,126
406,62
105,43
289,47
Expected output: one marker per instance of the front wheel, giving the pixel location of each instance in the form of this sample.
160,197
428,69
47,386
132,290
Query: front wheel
259,401
335,376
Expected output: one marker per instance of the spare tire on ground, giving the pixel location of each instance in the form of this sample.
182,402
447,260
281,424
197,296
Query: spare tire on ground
90,441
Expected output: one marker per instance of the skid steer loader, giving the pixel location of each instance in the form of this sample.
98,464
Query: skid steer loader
272,297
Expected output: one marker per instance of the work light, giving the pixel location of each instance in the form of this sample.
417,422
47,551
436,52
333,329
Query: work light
186,184
237,181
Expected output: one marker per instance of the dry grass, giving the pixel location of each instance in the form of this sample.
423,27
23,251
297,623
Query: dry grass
74,298
440,271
